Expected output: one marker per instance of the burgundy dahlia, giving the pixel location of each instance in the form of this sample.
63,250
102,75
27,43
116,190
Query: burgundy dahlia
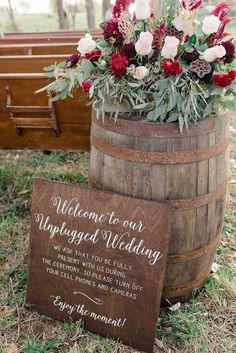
129,51
111,33
72,60
230,51
189,57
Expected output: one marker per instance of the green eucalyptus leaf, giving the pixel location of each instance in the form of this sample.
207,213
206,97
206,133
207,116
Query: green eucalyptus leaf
151,115
87,67
189,49
61,65
172,118
217,91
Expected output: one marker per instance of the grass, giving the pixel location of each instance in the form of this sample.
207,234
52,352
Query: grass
203,325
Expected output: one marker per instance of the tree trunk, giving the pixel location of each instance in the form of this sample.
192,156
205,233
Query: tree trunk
12,17
62,15
73,14
105,6
90,14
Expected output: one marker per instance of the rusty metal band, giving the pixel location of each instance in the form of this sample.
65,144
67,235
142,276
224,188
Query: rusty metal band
172,259
191,285
125,126
170,157
184,204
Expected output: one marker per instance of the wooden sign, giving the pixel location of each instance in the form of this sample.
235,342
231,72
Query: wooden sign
98,256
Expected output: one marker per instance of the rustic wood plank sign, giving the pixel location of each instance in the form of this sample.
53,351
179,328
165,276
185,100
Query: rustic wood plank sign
98,256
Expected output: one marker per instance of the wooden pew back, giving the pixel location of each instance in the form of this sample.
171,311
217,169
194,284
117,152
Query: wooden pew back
29,120
66,33
38,49
45,39
36,40
28,63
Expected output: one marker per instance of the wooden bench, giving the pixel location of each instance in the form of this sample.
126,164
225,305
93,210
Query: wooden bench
36,40
38,49
33,121
66,33
28,63
46,39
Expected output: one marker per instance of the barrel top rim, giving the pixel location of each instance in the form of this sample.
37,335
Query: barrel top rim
158,130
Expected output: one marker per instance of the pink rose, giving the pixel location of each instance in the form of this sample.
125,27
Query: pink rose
170,48
144,44
143,10
141,72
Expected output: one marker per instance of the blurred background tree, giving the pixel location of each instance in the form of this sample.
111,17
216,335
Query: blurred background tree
90,14
46,15
12,16
62,15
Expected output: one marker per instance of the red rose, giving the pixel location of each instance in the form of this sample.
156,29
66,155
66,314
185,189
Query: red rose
94,55
224,79
119,64
172,68
86,85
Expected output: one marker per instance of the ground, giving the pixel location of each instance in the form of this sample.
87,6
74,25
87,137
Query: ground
205,324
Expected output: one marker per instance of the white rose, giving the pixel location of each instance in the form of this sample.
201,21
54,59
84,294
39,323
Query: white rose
86,44
220,51
179,23
144,44
210,24
141,72
211,54
170,48
143,10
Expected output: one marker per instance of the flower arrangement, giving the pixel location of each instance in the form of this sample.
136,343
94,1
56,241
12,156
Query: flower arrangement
176,67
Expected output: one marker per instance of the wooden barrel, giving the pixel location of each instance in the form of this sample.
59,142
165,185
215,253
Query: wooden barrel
187,170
